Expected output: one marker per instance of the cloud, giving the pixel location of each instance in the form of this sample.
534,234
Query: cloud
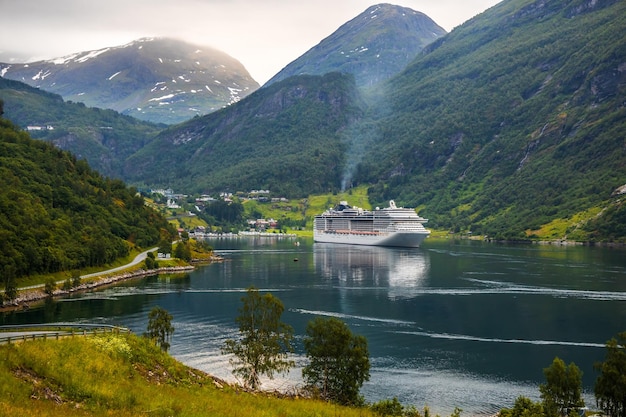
265,36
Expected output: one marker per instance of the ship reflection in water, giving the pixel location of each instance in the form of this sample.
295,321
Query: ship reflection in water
401,271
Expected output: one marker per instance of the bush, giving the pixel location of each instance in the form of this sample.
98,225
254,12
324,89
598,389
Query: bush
388,407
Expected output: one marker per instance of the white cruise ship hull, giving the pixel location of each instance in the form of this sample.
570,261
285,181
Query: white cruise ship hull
406,239
392,226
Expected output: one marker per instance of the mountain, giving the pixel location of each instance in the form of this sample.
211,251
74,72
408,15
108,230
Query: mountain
373,46
510,126
288,137
104,138
155,79
58,214
513,125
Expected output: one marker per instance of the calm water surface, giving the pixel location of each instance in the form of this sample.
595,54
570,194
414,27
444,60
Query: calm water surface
462,324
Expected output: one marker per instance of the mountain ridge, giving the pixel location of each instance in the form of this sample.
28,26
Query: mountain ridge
373,46
161,80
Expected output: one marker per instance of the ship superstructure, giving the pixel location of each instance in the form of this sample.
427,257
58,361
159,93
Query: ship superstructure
390,226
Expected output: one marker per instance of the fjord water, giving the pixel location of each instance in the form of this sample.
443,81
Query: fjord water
454,323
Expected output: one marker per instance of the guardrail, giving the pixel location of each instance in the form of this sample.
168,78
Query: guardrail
20,333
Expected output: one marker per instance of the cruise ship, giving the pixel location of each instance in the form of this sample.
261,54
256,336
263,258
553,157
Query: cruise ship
390,226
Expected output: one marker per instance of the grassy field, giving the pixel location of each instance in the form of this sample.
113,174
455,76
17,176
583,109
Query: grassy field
355,197
126,375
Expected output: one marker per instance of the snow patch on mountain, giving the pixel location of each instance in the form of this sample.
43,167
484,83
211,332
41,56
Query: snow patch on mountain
91,55
64,60
41,75
162,97
156,80
234,94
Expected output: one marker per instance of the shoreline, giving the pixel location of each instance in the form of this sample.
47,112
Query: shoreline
26,297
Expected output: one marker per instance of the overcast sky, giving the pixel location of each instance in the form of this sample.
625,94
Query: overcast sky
264,35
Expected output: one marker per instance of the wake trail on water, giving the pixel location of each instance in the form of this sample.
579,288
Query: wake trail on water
450,336
504,288
233,290
350,316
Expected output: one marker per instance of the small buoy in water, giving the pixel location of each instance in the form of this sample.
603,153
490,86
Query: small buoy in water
295,259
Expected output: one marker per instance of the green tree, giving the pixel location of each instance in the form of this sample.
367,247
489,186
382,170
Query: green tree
76,280
160,327
561,393
10,285
265,340
338,361
165,246
183,251
150,262
49,286
610,388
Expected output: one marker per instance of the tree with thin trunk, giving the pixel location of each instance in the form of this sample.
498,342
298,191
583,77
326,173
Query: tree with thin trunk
264,342
160,327
610,388
10,285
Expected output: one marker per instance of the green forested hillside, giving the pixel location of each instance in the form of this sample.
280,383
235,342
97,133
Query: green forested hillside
104,138
513,120
57,214
289,138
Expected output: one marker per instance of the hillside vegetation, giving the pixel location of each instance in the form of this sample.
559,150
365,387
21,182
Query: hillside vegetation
58,214
124,375
510,126
104,138
288,137
513,120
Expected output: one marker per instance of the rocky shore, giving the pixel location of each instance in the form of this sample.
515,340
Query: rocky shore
26,297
